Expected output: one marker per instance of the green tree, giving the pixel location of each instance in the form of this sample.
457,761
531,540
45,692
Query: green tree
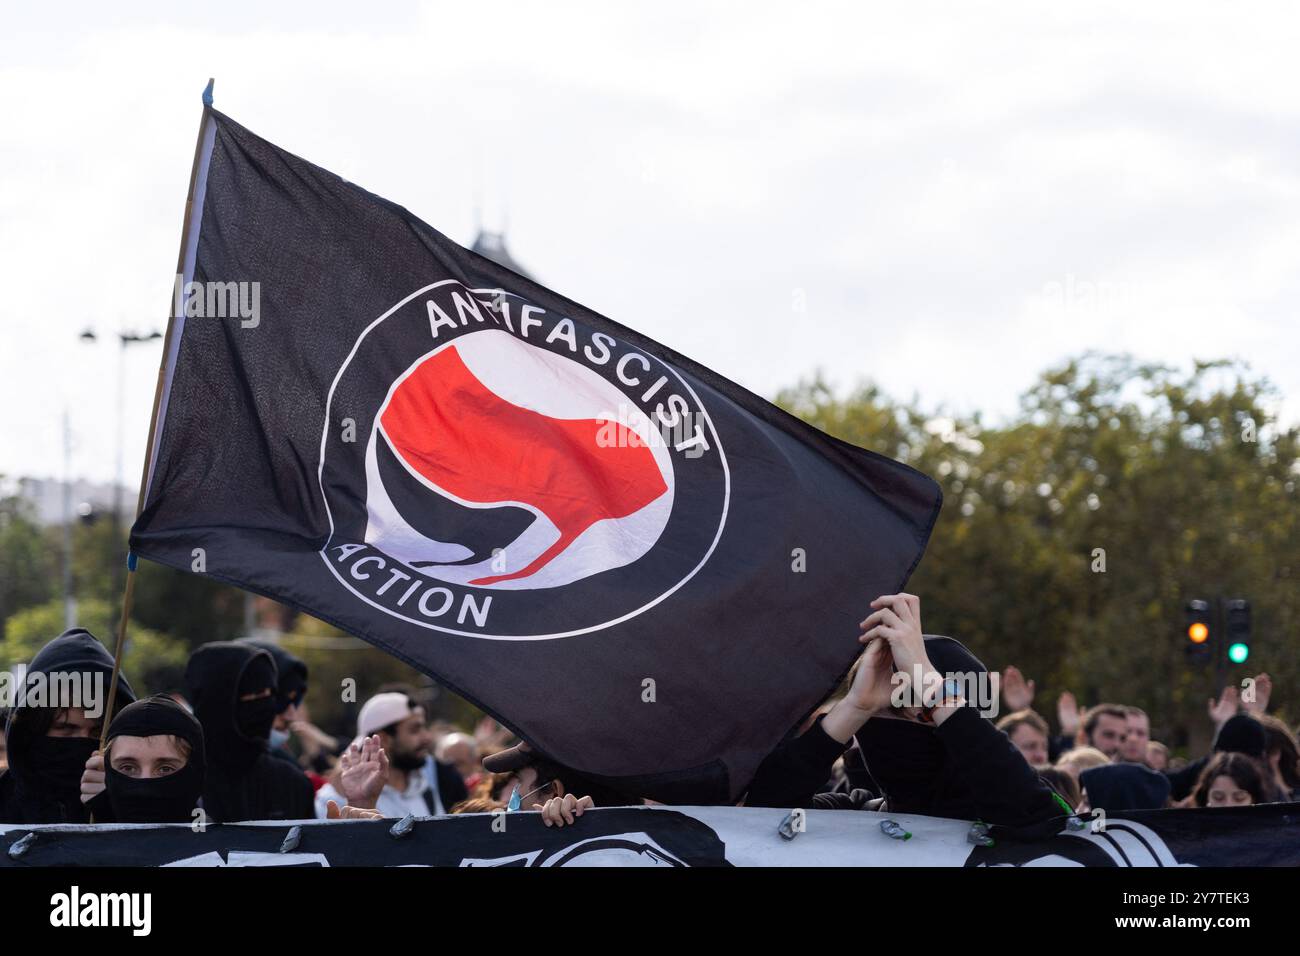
194,608
1184,482
337,662
29,567
152,661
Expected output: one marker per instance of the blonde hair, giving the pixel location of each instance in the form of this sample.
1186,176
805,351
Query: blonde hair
1082,758
477,805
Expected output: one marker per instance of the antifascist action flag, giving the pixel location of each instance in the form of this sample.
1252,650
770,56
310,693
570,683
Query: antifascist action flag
646,571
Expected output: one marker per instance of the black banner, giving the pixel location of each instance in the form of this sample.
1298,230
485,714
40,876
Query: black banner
692,837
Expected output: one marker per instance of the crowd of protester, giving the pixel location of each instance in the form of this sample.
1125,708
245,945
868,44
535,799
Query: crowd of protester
236,743
1104,757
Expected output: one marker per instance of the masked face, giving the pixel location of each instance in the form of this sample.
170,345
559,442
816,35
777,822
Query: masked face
74,722
285,718
254,714
149,780
57,763
170,799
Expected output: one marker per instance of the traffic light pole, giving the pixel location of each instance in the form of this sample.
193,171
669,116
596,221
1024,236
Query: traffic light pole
1220,649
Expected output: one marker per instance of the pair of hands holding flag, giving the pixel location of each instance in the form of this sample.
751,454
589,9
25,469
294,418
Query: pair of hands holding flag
895,656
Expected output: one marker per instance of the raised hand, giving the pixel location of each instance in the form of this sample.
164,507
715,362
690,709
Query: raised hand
1263,691
363,772
1225,708
871,686
1067,713
897,618
868,692
1017,693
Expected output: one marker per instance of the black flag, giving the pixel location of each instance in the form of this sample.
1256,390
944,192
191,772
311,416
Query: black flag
648,572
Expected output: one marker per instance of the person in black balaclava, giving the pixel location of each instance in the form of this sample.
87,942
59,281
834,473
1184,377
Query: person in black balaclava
290,691
943,760
232,687
155,763
49,745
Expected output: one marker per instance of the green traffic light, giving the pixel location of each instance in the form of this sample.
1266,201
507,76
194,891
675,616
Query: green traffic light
1237,653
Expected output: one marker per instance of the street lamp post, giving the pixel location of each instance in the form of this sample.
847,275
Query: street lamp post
124,339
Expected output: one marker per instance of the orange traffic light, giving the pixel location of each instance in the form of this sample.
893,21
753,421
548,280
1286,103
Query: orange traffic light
1196,625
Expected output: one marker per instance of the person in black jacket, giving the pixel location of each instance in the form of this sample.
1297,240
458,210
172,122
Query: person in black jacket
934,755
232,687
51,741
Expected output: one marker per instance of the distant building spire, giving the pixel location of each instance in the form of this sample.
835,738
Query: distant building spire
492,245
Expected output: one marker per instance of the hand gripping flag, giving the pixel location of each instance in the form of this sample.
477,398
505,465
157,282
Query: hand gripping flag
648,572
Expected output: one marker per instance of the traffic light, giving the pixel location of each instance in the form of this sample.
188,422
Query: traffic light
1238,631
1197,643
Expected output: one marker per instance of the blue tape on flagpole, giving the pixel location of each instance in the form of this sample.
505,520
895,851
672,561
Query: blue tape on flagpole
207,94
131,560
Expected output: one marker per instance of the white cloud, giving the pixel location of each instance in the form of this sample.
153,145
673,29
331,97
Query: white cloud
918,175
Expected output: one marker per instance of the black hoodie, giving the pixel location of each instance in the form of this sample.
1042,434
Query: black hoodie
243,782
43,782
291,685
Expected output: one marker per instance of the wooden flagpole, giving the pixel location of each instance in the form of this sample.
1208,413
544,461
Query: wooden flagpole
129,592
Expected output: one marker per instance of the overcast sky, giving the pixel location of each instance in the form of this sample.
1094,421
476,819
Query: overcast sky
945,199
